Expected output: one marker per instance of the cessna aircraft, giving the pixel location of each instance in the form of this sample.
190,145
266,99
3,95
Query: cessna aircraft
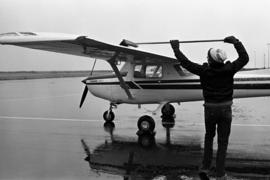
145,78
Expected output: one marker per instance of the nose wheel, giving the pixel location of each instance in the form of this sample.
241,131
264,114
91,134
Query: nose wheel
108,115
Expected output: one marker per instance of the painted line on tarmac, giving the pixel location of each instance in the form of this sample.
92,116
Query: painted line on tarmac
252,125
96,120
48,119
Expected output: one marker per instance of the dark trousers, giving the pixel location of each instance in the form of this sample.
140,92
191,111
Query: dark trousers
220,118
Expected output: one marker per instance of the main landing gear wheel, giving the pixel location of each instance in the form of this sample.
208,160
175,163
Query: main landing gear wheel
146,123
108,116
168,110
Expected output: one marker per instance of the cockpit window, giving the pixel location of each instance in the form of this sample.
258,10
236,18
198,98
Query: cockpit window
9,34
147,71
153,71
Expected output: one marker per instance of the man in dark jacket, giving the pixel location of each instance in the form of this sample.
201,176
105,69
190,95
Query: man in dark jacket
216,79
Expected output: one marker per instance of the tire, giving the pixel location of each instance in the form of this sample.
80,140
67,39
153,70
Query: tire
167,110
108,116
146,123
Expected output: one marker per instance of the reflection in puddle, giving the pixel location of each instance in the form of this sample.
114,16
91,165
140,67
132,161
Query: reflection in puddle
143,159
146,159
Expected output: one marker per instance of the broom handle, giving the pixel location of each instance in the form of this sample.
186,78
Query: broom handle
194,41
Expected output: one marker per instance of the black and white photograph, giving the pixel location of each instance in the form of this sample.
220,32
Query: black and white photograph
134,89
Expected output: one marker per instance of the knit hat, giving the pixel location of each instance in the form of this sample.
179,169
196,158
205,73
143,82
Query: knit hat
217,55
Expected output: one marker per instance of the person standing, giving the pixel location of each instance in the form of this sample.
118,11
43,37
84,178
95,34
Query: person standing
216,78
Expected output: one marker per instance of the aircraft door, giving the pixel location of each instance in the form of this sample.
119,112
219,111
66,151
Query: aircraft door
146,78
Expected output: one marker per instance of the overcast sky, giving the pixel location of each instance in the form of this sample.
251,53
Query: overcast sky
136,20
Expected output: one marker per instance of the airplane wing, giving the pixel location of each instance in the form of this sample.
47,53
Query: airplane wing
78,45
82,46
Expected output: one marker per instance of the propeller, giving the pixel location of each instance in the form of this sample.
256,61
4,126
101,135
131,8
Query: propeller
85,91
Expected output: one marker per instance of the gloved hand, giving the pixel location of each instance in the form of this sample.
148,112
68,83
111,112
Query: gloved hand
174,44
231,40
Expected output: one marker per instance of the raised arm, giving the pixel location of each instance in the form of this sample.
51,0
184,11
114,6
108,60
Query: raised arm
184,61
243,58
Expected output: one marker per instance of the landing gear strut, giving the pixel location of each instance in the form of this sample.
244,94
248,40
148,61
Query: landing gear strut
109,116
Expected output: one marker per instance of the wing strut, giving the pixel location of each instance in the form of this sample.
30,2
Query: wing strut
119,76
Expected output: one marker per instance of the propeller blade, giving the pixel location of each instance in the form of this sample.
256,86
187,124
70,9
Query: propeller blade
85,91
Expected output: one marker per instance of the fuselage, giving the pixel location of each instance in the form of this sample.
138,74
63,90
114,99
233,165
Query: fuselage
171,84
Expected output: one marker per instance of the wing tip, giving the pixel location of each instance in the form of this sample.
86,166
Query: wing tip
18,37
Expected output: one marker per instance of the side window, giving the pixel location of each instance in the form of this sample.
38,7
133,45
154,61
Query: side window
153,71
139,72
147,71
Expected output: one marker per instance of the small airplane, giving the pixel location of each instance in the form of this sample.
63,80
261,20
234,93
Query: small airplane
145,77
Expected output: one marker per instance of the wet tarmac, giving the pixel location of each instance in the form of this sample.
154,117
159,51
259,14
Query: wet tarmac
44,135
